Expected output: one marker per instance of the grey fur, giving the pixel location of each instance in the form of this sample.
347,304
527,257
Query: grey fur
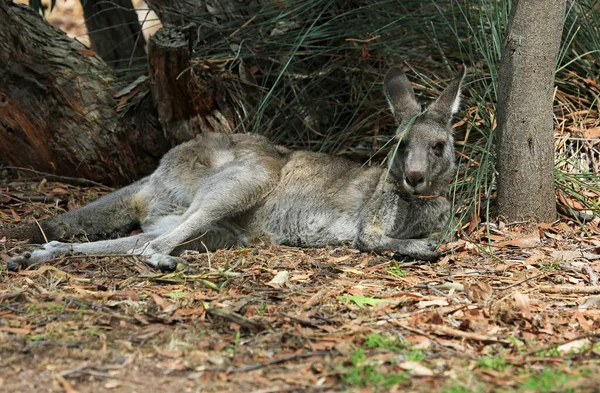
221,190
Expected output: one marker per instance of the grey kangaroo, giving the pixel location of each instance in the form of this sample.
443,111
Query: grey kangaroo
218,191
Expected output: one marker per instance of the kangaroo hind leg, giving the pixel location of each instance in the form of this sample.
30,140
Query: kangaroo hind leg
224,194
110,213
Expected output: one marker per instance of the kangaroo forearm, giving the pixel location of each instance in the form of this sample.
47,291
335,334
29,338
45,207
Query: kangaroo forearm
424,217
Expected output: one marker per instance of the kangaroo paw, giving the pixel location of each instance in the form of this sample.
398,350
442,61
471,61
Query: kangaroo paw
423,249
166,263
19,262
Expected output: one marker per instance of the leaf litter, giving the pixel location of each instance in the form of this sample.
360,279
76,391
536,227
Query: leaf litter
501,306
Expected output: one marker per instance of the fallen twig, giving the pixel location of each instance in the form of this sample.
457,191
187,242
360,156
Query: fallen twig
441,330
76,180
237,318
282,359
519,282
301,321
556,345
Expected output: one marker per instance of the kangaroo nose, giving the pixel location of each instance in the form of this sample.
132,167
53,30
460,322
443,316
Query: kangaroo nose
415,178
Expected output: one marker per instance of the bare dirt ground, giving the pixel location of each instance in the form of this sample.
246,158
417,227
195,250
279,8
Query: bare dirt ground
521,315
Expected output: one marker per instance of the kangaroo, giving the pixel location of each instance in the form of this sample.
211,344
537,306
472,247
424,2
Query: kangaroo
218,191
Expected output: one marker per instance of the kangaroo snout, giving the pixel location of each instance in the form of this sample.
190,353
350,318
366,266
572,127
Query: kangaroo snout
414,182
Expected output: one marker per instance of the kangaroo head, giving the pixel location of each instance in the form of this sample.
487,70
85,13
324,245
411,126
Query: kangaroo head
424,160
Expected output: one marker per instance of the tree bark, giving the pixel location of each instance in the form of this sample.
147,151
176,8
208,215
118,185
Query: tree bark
524,140
189,100
116,35
57,113
203,12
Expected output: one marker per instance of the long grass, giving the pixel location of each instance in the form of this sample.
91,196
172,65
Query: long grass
318,67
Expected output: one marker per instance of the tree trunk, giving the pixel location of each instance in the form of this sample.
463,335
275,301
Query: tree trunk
116,35
524,142
57,113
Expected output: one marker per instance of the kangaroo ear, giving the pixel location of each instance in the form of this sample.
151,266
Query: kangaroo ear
400,94
448,102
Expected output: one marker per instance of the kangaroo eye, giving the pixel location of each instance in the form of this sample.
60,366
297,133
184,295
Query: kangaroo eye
438,148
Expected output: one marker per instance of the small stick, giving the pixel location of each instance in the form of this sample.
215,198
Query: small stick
237,318
41,230
282,359
448,331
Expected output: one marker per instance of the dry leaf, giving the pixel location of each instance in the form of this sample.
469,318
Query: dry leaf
280,279
166,305
589,302
429,303
112,384
574,254
479,291
522,302
591,133
65,384
416,369
532,240
573,346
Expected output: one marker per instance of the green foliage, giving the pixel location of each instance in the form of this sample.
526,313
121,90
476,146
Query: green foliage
365,372
456,388
367,368
395,268
496,363
548,380
361,301
379,341
550,266
393,344
175,294
262,309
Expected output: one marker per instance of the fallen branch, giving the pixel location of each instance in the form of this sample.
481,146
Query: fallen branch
570,289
